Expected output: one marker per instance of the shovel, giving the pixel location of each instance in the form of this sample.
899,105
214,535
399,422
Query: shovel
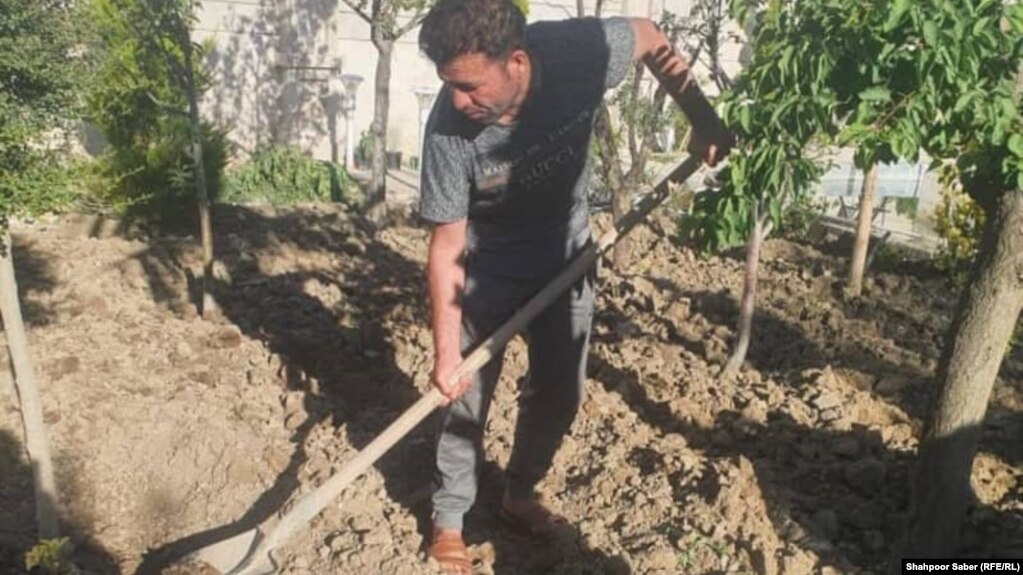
249,553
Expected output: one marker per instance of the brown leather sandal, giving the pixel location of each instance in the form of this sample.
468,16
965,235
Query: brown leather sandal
449,551
535,519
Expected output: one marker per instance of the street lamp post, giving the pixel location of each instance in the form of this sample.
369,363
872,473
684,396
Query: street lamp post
351,84
425,97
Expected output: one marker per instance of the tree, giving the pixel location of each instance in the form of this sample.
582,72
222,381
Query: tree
147,103
382,17
776,109
981,121
894,79
171,24
39,71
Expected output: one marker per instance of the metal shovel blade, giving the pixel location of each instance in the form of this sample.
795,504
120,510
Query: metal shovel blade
230,556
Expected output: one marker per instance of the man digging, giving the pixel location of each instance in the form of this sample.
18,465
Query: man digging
504,183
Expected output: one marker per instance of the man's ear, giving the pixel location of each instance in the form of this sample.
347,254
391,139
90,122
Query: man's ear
517,63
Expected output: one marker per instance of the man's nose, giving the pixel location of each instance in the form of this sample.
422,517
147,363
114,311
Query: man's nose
459,99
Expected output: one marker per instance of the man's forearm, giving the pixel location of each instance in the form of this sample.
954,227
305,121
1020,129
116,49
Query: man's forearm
672,71
446,280
675,74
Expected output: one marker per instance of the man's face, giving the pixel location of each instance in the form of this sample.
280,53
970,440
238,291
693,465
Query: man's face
484,89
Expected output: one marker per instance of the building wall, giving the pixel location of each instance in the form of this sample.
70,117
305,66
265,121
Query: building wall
276,65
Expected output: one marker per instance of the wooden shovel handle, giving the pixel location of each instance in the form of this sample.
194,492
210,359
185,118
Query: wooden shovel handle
309,506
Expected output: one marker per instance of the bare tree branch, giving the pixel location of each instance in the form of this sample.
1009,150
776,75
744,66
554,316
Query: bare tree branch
650,135
609,161
169,108
358,11
637,79
416,20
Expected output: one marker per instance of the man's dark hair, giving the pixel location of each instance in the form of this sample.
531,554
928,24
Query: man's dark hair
454,28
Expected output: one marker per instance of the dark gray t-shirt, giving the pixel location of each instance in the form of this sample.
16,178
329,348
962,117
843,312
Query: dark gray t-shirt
524,187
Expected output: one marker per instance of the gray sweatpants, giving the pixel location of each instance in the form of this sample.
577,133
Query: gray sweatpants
558,340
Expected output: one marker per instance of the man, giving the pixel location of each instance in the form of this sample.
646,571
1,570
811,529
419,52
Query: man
504,180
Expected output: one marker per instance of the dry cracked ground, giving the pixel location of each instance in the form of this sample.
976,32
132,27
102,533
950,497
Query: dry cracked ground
171,432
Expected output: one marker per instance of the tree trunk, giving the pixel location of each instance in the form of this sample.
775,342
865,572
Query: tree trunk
209,305
621,201
376,196
36,440
985,320
862,241
749,294
621,198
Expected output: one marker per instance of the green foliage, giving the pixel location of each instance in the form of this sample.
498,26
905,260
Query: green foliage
51,557
776,109
285,175
636,110
888,79
907,207
959,221
40,71
139,100
157,181
800,215
364,148
942,81
719,220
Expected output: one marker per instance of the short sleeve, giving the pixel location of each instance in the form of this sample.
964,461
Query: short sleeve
444,183
621,44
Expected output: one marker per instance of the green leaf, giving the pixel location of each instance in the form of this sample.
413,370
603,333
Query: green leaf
898,10
852,133
876,94
931,33
1016,145
981,25
963,101
774,209
1015,16
786,58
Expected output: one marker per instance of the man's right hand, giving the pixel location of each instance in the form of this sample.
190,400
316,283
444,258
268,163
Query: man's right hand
443,367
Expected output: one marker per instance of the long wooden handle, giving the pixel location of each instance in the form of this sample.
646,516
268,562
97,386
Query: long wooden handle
311,505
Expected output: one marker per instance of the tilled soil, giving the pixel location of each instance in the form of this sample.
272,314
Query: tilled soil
171,431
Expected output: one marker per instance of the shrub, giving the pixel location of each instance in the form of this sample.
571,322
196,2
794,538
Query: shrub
285,175
800,216
40,77
51,557
138,100
156,180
